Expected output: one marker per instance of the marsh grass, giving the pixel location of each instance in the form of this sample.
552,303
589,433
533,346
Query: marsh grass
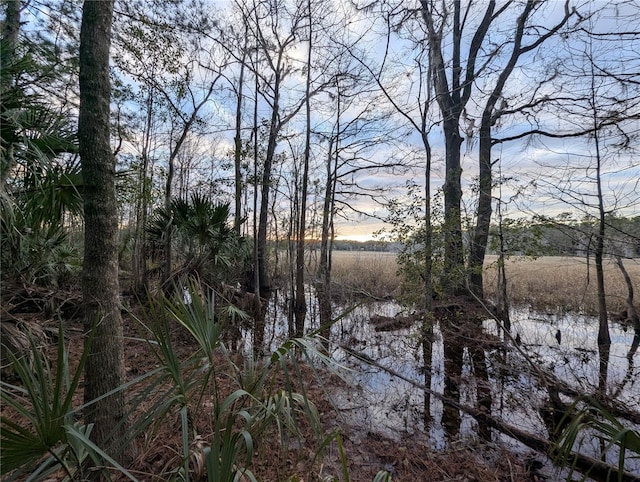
562,283
546,283
366,273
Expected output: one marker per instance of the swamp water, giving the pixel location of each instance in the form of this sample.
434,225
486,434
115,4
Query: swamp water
391,402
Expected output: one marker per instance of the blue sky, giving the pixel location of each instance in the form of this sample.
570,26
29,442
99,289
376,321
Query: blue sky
539,166
544,167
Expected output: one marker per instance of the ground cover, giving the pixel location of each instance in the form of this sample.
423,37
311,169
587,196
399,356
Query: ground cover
364,453
360,456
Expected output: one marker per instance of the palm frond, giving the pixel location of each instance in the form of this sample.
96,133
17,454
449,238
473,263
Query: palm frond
588,415
44,401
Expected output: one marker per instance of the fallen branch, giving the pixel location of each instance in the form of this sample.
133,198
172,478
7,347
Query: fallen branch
392,323
550,382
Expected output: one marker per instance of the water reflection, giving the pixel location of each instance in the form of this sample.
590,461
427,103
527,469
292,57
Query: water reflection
497,378
509,388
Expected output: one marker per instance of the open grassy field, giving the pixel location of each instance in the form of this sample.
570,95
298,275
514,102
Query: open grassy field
564,283
546,283
366,272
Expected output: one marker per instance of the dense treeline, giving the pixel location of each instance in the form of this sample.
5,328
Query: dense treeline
560,236
564,236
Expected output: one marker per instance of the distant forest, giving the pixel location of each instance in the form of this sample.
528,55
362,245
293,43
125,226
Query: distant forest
559,236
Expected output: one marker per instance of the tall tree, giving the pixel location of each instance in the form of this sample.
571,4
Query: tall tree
273,44
493,109
452,96
100,287
11,25
458,66
300,308
10,31
237,140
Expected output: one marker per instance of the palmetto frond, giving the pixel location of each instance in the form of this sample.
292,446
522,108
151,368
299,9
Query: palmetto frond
200,230
40,181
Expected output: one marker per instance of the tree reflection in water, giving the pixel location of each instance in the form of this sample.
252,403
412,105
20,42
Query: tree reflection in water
385,393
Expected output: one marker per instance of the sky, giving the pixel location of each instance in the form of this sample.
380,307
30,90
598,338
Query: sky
554,172
537,168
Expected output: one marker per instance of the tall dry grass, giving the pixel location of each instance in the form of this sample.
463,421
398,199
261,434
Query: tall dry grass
365,273
546,283
563,283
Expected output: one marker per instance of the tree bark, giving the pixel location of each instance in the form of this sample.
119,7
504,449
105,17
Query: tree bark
323,284
237,159
142,205
104,370
274,129
11,24
300,309
632,313
453,277
10,31
604,339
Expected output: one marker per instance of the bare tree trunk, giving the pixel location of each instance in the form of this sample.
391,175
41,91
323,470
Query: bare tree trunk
237,159
265,282
323,286
142,207
502,302
300,301
184,130
168,248
484,210
453,278
451,99
632,314
604,339
274,51
294,219
11,25
259,326
105,364
485,177
428,319
10,31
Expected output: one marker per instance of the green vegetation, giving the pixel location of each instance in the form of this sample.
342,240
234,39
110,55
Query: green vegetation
44,436
245,401
207,246
564,235
590,419
40,181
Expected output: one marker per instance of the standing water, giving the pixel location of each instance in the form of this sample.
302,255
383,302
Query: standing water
384,391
